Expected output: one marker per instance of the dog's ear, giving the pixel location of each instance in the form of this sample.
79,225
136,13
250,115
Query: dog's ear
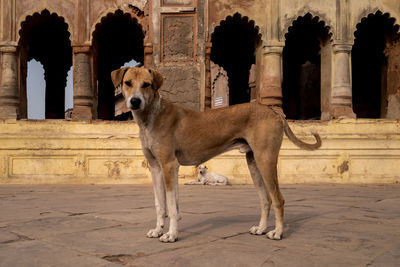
118,75
158,79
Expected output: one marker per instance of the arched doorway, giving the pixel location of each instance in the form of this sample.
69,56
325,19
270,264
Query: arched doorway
45,38
234,43
118,39
301,87
370,64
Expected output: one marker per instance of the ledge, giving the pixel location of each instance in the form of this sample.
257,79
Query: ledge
58,151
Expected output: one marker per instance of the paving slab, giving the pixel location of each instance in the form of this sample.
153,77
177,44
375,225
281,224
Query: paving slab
106,225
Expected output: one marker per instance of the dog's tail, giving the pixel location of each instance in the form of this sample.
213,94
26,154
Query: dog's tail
292,137
297,141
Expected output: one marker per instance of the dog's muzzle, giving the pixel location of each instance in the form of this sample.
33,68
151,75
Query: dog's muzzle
135,103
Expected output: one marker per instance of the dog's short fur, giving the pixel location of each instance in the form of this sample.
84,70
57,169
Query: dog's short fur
205,177
173,136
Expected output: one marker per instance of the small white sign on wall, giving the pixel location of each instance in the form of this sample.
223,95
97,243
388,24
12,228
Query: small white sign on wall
219,86
219,101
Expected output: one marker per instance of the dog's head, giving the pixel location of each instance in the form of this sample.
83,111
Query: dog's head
139,85
202,169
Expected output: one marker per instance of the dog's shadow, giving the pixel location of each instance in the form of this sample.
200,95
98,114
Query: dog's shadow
218,225
237,224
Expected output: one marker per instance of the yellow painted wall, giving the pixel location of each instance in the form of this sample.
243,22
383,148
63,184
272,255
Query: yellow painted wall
60,152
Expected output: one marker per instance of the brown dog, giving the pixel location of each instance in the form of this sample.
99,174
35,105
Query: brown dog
173,136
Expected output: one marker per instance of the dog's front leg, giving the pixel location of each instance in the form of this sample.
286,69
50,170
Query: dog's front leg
170,173
159,199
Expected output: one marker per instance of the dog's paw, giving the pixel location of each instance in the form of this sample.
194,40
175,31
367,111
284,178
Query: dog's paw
154,233
275,234
257,230
169,238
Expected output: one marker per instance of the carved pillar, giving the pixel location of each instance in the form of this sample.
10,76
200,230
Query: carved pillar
83,91
9,93
270,78
341,97
148,55
207,93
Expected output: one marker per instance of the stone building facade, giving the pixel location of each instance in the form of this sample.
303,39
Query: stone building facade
337,39
317,60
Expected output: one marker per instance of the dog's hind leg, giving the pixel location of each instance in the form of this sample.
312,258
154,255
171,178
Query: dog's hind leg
159,199
265,200
170,174
266,163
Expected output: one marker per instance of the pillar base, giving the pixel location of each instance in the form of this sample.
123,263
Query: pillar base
342,113
326,116
8,112
82,113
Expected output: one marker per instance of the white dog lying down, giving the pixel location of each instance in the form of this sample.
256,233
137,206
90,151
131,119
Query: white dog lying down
209,178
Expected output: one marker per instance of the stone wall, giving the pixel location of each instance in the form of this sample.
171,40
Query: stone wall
178,38
181,85
179,50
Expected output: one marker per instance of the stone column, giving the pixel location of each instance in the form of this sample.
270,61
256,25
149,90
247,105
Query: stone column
148,55
341,97
207,93
83,90
270,77
9,93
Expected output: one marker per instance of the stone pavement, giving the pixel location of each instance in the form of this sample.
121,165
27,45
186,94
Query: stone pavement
105,225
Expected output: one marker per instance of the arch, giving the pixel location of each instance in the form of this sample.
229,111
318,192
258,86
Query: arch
302,63
218,18
370,11
45,37
134,12
31,13
374,34
314,14
234,43
110,54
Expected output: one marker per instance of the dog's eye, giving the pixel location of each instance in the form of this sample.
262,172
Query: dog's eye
145,85
128,83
